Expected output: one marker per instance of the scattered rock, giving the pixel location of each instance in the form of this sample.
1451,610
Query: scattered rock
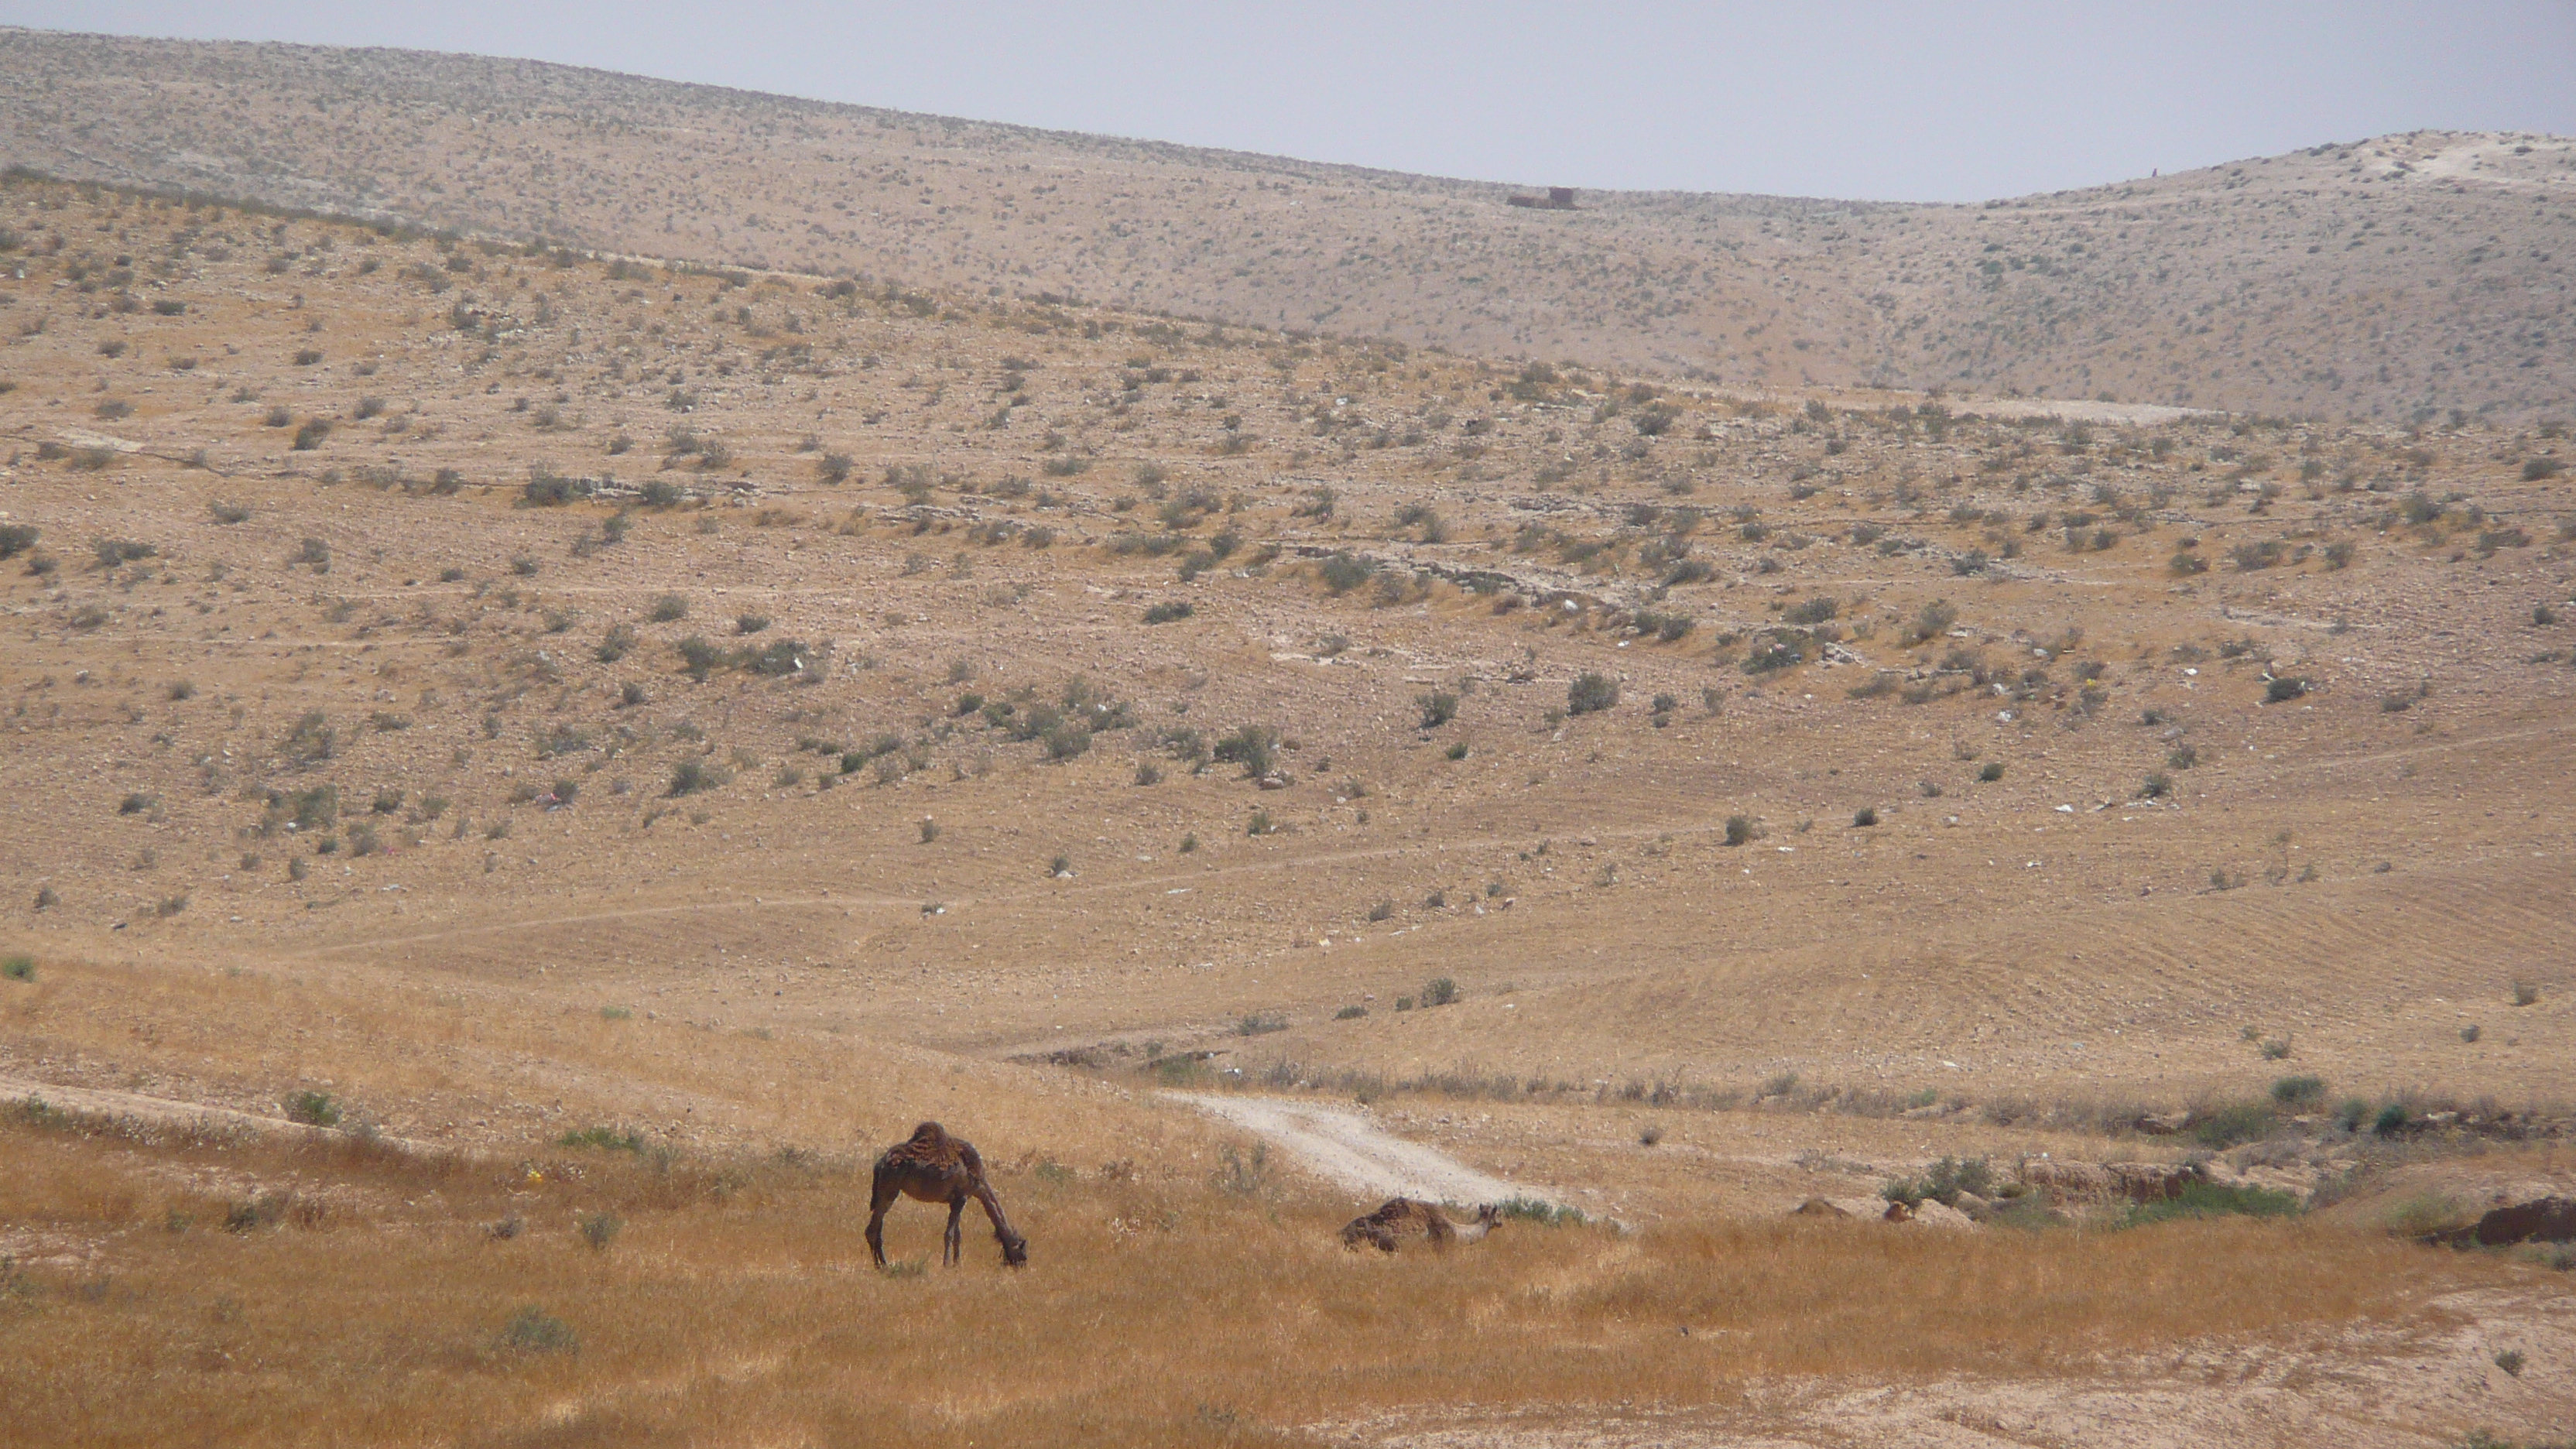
1933,1213
2070,1179
2163,1124
1816,1207
2152,1181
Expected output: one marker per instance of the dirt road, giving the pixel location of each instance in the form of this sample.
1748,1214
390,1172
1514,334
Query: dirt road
1349,1151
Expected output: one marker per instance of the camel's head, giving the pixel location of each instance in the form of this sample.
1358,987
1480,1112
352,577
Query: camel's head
1490,1216
1015,1251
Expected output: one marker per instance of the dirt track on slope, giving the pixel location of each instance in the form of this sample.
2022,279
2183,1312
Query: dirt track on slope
1352,1152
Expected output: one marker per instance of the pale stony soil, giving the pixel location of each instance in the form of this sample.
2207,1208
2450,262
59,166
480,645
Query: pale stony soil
2172,894
2405,1389
2391,278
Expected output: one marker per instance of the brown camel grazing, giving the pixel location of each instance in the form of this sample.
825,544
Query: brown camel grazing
1404,1217
931,1166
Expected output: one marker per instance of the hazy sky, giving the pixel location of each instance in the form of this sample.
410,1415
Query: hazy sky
1887,101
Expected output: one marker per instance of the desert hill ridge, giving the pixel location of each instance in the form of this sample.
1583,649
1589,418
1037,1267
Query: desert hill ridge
2391,278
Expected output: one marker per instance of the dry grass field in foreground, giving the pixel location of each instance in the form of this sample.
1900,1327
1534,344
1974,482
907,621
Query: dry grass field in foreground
380,1298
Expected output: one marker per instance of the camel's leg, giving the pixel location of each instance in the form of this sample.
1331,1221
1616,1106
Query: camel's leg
953,1253
879,1199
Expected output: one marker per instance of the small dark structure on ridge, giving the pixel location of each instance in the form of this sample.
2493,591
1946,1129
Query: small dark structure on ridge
1558,198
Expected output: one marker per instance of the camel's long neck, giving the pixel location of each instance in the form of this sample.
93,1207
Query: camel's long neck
1474,1232
1003,1232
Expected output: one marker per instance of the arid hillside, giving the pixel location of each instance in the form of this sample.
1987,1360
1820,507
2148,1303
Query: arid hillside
531,766
2395,278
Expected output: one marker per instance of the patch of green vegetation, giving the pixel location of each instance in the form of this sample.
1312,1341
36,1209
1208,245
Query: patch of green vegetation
2214,1200
1544,1214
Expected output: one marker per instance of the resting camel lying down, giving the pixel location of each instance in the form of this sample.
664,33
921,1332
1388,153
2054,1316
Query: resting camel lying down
1404,1217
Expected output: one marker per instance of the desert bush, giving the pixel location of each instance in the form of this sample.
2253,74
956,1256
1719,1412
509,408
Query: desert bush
1251,746
1442,991
1864,818
18,968
1811,611
547,488
2235,1122
1438,708
2299,1091
1346,571
2210,1199
1739,829
17,538
1170,612
1776,655
1591,692
313,1109
669,608
1930,622
1352,1012
2283,688
693,775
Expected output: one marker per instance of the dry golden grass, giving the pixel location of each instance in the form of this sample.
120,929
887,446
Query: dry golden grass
735,1305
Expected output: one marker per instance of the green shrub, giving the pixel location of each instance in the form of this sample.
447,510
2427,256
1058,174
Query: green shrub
2391,1120
2210,1200
2299,1091
1442,992
600,1229
1739,829
1169,613
1543,1214
1260,1024
1250,746
530,1330
1346,571
691,776
18,968
313,1109
1352,1012
2236,1122
1591,692
606,1139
